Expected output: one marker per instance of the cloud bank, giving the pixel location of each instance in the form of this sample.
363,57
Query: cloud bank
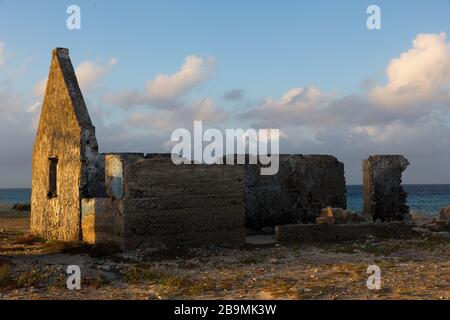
407,114
165,90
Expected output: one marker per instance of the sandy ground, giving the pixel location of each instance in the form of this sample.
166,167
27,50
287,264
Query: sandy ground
416,268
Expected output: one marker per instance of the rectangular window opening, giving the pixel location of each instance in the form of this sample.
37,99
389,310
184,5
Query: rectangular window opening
52,177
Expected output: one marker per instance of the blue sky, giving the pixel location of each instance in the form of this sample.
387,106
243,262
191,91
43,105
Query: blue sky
255,42
260,48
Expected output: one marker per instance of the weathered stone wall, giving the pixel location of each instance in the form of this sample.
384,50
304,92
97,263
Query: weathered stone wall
384,197
169,205
65,132
341,232
102,221
304,185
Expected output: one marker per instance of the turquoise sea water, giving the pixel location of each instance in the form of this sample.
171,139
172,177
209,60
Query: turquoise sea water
426,198
18,195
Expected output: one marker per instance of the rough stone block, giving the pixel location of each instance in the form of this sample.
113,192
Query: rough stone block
102,221
384,197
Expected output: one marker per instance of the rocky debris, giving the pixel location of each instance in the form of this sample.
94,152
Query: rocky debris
340,216
153,296
106,267
423,231
441,234
274,260
384,197
302,290
366,217
418,218
444,216
326,217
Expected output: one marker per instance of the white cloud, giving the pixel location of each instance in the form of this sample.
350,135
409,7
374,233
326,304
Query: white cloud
88,74
165,90
33,110
39,87
207,111
418,86
168,119
418,77
193,72
296,107
409,115
34,107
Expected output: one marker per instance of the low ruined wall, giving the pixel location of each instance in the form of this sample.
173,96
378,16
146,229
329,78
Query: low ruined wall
195,205
102,221
169,205
341,232
303,186
384,197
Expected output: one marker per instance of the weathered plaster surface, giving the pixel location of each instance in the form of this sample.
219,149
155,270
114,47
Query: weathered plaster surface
65,131
103,221
171,205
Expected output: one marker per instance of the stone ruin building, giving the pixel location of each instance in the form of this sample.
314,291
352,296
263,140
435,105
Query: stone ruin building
137,200
384,197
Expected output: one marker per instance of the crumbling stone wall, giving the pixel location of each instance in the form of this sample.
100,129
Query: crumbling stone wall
66,135
304,185
384,197
102,221
168,205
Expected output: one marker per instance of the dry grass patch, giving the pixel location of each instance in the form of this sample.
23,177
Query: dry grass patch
28,239
97,281
5,275
25,279
252,259
149,274
31,278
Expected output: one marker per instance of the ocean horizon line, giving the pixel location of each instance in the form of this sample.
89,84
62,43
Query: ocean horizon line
348,185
